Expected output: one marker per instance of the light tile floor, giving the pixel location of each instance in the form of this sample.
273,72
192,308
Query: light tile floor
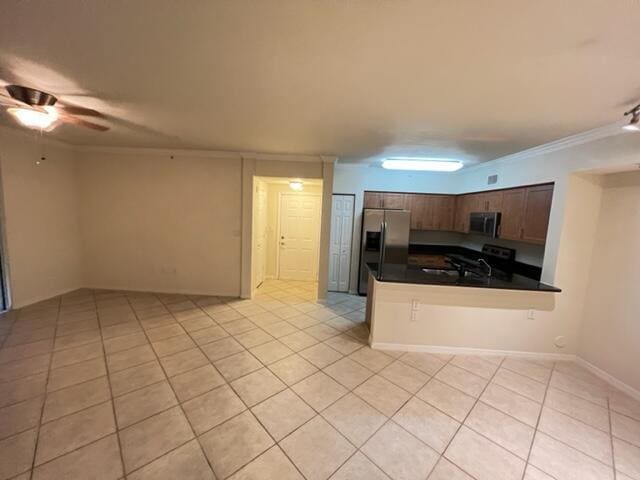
108,385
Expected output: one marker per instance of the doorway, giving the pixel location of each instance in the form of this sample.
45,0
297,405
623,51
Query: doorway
342,210
286,221
260,234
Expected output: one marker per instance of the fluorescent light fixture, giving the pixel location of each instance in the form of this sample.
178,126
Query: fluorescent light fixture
296,185
34,118
422,164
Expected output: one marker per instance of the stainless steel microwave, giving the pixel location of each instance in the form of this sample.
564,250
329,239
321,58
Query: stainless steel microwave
484,223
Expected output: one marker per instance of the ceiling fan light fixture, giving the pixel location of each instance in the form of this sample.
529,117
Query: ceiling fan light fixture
296,185
36,119
423,164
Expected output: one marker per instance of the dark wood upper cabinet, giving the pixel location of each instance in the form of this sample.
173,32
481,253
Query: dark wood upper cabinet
492,201
390,201
443,207
524,210
415,203
372,200
393,201
537,207
461,217
512,213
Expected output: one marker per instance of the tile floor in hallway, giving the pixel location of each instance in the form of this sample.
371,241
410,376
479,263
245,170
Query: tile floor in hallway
111,385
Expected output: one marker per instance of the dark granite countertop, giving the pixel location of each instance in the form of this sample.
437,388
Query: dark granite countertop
399,273
516,267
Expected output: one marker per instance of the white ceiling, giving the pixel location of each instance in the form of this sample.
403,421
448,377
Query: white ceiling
354,78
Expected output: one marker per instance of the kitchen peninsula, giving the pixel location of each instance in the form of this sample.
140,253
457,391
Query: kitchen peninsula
421,309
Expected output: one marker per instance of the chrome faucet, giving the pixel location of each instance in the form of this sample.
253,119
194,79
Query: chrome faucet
482,261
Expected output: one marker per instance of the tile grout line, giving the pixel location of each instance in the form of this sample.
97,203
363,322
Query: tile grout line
112,399
613,457
195,436
462,423
535,431
44,400
247,409
390,419
287,387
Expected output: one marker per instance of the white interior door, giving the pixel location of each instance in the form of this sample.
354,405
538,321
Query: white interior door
299,236
260,235
340,243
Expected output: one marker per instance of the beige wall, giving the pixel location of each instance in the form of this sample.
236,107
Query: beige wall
40,204
151,222
611,328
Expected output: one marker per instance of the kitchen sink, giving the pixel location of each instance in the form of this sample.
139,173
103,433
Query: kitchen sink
447,272
441,271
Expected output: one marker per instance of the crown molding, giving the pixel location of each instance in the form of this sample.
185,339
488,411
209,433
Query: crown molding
287,157
177,152
193,153
581,138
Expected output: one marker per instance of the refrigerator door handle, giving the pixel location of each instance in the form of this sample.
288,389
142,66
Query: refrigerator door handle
383,234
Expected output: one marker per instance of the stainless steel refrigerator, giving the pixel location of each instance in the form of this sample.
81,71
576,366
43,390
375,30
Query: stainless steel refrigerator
385,239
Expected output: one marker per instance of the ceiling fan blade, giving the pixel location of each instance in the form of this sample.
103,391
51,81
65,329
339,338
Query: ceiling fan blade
10,102
73,110
82,123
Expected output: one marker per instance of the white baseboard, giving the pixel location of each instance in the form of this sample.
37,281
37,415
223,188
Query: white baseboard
40,298
470,351
619,384
607,377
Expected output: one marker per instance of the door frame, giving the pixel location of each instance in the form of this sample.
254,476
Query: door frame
353,226
254,219
317,253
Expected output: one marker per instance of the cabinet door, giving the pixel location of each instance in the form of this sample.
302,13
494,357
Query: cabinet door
443,212
461,219
415,203
372,200
493,201
393,201
512,213
475,202
537,207
428,206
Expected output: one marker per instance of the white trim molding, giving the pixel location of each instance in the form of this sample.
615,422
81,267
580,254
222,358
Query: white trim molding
607,377
470,351
588,136
598,372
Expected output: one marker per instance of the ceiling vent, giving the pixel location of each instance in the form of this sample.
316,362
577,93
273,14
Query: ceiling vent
492,179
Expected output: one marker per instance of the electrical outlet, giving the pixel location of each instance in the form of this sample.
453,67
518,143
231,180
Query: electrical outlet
531,314
415,305
413,316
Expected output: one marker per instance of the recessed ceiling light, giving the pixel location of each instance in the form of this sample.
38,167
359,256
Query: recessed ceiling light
634,123
296,185
422,164
39,119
